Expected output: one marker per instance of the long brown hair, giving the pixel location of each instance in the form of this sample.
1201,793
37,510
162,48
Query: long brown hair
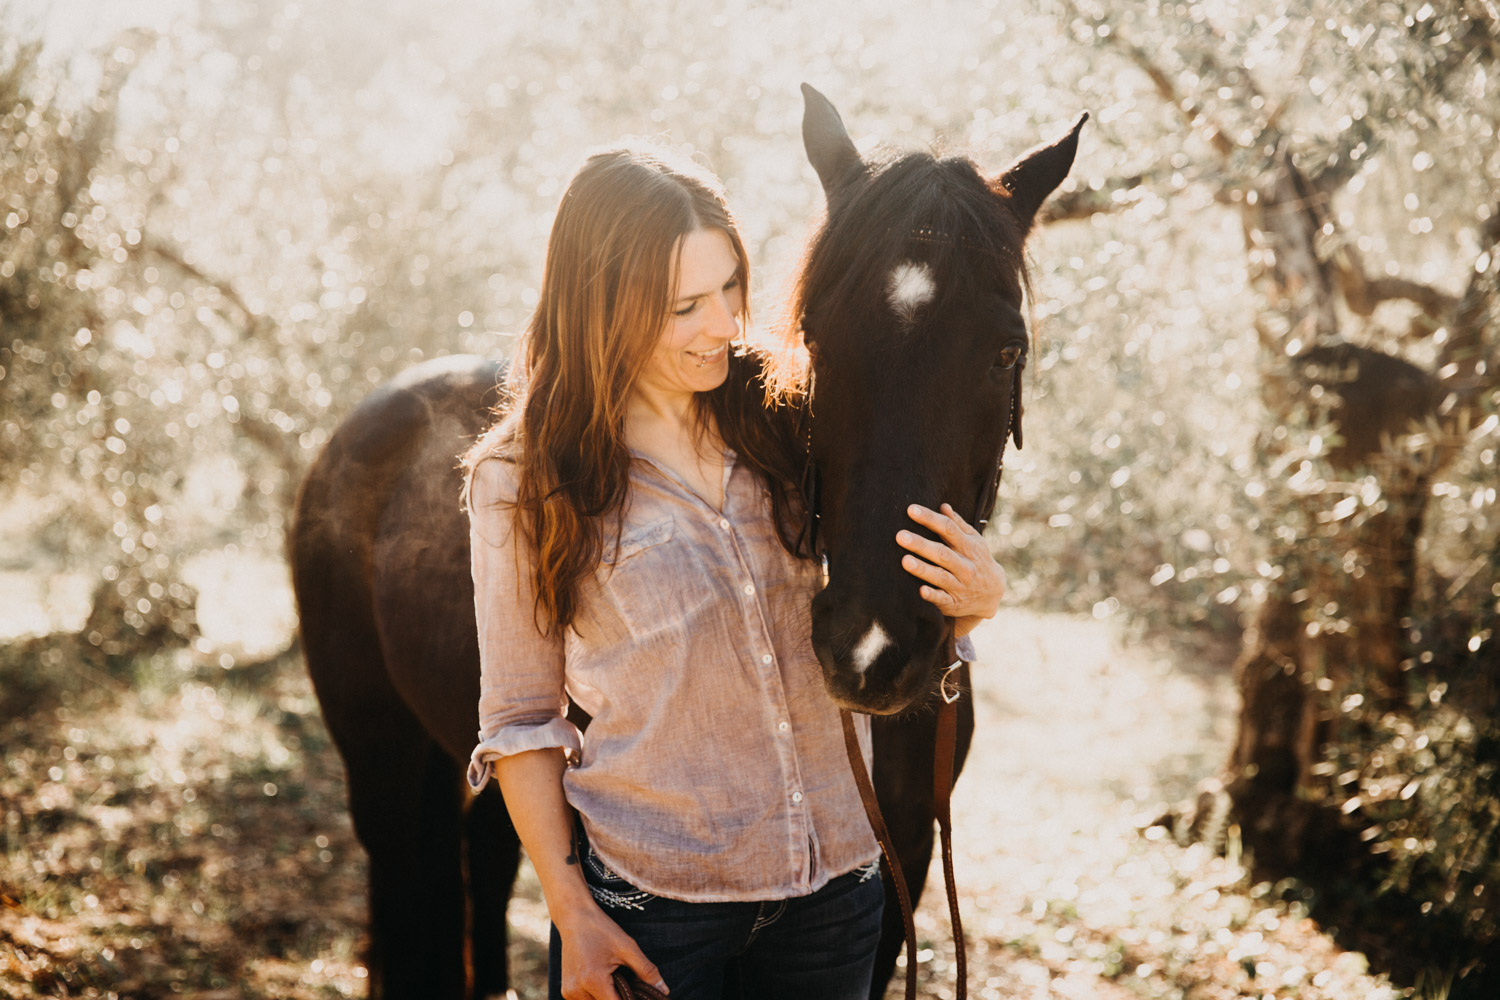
606,296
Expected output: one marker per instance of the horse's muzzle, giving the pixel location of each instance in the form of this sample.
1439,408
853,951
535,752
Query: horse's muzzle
877,664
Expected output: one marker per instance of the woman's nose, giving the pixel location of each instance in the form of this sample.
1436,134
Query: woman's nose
724,320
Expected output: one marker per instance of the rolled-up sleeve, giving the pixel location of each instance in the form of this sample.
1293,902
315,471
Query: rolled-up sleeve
964,649
522,693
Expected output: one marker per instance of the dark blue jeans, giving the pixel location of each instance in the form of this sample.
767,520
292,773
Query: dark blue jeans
816,947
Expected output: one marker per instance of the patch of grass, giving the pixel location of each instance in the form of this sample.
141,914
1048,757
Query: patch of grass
180,831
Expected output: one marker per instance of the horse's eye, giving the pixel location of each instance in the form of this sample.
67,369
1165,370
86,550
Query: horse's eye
1010,355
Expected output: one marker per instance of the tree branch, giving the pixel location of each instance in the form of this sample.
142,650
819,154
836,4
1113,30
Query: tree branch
1071,206
225,290
269,437
1362,293
1193,112
99,128
1467,354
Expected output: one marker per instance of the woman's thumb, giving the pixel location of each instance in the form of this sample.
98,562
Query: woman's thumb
638,963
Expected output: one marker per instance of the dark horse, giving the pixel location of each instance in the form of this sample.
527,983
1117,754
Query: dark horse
910,302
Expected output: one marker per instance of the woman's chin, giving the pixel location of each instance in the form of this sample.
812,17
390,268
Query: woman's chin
710,376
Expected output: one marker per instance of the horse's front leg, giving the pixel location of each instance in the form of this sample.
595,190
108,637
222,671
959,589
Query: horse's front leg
494,855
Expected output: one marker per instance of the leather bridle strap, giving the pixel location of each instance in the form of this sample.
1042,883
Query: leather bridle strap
944,755
943,758
887,848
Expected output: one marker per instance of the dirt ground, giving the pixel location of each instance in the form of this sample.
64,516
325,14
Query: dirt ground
177,828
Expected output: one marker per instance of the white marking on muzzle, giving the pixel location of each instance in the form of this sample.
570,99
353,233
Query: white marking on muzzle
909,289
871,646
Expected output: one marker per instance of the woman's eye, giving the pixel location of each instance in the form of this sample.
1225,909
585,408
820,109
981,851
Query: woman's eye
686,310
1010,355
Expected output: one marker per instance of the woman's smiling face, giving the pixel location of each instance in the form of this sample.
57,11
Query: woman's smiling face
692,354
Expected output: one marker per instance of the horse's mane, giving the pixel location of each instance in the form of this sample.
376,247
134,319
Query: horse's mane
938,209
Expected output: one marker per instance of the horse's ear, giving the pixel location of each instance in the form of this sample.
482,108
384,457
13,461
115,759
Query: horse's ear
1037,174
827,142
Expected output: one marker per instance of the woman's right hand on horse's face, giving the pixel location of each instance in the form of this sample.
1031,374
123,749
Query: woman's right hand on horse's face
593,946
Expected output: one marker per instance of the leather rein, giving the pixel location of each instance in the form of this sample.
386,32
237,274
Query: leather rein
945,747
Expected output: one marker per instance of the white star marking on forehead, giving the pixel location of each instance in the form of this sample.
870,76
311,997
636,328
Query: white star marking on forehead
910,287
871,646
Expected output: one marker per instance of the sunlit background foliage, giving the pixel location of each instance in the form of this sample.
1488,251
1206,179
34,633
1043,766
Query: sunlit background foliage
221,224
224,226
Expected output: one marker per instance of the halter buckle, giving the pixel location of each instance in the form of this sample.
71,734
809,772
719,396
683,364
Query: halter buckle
948,686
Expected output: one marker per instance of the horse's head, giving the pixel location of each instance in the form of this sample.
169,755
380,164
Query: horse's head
911,308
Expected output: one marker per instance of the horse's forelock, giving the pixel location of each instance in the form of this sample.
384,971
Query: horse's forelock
913,208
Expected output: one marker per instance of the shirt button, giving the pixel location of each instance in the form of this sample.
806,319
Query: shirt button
765,658
782,726
724,523
796,796
750,589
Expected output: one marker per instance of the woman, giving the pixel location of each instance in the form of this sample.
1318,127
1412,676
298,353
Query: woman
634,534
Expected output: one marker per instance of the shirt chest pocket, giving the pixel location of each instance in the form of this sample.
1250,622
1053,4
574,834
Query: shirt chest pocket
654,582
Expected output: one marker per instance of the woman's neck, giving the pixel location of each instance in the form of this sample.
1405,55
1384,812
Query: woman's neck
660,410
668,429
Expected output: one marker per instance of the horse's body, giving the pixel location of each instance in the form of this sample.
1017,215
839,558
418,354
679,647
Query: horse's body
380,566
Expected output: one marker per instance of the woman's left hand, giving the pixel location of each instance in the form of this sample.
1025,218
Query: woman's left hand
958,572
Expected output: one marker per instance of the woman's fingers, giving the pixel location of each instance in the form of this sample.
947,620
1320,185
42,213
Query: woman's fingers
946,521
593,948
933,552
960,545
955,535
960,573
644,970
596,984
941,598
936,575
